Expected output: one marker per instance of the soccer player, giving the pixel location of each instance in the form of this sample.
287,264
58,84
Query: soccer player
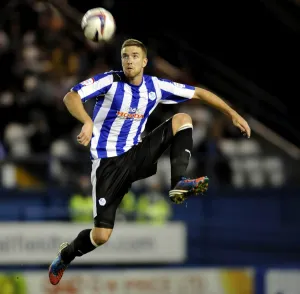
123,102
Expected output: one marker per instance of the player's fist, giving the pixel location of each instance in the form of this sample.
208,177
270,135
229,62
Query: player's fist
241,123
85,135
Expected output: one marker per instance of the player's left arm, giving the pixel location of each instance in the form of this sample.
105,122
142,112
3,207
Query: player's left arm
213,100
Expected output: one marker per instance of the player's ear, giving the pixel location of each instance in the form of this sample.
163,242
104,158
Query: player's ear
145,61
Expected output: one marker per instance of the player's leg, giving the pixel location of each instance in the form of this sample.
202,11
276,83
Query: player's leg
109,186
181,147
180,154
86,241
175,133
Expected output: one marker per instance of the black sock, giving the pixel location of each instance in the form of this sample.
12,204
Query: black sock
181,149
79,246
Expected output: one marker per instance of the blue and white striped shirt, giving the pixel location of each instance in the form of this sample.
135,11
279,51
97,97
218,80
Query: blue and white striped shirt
122,110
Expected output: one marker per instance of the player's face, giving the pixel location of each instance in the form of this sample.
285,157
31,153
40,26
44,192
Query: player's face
133,61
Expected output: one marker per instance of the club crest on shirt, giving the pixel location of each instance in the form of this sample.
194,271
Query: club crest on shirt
88,82
178,85
152,96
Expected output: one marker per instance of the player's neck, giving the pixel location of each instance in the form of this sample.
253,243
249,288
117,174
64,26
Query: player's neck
136,81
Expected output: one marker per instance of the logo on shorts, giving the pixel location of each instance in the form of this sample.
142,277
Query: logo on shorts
102,201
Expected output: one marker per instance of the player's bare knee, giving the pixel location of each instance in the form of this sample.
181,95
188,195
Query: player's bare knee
179,120
100,235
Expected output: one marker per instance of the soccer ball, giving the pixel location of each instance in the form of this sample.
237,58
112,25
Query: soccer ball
98,25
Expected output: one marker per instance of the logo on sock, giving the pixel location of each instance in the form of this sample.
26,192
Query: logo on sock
102,201
188,151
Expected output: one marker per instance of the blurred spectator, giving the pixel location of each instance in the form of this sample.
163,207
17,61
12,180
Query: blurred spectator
38,132
81,202
2,151
211,159
127,209
16,139
152,206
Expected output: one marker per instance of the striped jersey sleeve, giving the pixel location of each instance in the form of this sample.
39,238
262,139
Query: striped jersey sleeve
94,86
173,92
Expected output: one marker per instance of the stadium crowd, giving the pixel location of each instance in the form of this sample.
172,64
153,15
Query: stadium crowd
43,58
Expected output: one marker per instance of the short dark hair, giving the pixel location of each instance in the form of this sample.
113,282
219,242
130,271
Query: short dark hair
134,42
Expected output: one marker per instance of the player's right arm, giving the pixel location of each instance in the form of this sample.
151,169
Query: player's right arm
82,92
74,105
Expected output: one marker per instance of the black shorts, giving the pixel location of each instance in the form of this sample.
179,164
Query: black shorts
112,177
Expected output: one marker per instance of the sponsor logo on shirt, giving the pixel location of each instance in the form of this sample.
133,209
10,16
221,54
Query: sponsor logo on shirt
131,113
127,115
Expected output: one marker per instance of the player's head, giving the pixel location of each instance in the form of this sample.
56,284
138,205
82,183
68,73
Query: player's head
134,57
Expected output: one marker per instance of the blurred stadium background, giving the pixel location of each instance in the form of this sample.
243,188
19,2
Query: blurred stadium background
242,237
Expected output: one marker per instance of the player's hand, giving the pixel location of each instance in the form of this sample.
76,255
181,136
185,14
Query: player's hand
85,135
241,123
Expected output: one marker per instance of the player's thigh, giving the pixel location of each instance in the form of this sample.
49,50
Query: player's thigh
110,180
159,140
147,153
